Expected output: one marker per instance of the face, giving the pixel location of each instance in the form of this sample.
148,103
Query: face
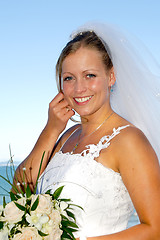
85,81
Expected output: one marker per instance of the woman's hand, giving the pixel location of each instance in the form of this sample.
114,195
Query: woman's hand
59,113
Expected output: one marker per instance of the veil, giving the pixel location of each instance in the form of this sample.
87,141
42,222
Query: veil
136,93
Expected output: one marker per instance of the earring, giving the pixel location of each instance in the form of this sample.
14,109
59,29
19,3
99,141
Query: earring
111,89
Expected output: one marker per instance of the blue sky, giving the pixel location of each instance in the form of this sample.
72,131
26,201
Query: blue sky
32,34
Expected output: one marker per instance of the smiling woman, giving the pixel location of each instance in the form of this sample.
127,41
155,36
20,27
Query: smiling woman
106,163
86,82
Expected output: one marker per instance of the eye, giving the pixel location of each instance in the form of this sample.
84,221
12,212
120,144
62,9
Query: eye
67,78
90,75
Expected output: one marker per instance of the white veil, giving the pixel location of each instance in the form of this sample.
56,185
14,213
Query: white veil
136,93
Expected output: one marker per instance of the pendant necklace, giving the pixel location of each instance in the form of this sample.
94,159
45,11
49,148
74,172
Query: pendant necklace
78,142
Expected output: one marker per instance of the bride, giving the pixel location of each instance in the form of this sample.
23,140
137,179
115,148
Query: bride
106,162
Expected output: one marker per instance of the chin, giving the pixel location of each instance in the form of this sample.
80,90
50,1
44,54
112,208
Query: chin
85,113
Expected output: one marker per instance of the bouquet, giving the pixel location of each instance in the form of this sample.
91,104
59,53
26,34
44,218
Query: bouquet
31,216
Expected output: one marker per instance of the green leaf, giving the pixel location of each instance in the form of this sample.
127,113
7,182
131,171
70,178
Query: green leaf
28,202
12,185
6,180
70,214
12,231
65,235
69,224
22,208
48,192
69,231
35,189
28,191
4,202
17,231
18,196
57,193
71,204
65,200
35,204
72,229
13,196
1,225
42,234
64,217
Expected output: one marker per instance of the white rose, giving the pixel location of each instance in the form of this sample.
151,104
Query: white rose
52,227
55,217
56,235
12,213
4,234
28,233
45,203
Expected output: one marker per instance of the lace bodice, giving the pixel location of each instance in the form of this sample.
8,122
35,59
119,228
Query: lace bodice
98,189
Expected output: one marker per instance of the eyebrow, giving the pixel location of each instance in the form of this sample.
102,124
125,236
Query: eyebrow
67,73
91,69
87,70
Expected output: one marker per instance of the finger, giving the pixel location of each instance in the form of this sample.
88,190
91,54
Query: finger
68,108
62,104
64,110
69,114
60,108
57,99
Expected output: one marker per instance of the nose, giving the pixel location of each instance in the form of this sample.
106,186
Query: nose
80,86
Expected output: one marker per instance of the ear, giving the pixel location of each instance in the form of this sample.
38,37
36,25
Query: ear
112,78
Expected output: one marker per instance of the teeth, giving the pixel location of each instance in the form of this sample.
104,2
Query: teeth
83,99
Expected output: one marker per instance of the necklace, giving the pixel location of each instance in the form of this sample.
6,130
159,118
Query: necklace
78,142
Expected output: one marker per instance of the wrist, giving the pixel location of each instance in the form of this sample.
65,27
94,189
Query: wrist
51,132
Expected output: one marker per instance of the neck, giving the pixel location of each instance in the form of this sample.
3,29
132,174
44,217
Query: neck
91,122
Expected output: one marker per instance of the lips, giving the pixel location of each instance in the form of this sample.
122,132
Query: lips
82,99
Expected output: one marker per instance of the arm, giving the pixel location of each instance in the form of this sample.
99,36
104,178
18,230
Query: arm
58,117
140,171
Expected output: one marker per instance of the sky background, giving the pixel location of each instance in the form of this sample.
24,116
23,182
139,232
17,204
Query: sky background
32,35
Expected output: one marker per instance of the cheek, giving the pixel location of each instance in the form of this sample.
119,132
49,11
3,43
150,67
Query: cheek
67,89
98,86
68,93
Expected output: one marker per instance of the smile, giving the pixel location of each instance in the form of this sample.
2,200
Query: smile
83,99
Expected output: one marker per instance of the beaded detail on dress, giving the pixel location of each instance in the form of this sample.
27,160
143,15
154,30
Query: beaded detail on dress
98,189
94,150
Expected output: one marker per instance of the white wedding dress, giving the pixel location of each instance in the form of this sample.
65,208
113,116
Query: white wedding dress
96,188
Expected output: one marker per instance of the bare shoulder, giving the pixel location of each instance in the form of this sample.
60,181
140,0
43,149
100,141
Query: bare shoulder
130,142
130,146
133,140
140,171
135,153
